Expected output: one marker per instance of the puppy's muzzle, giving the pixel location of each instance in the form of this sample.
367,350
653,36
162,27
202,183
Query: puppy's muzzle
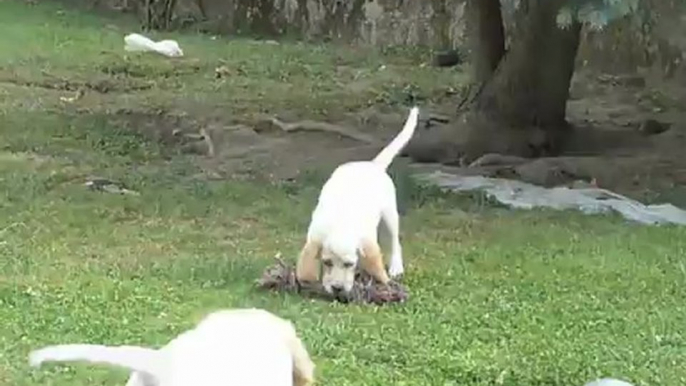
337,289
340,294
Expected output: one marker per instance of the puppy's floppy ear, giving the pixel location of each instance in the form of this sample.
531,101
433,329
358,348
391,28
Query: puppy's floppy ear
307,269
372,261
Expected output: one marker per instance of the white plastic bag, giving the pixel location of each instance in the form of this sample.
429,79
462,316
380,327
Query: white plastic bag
136,42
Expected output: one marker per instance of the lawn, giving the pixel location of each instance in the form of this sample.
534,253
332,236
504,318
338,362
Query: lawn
498,297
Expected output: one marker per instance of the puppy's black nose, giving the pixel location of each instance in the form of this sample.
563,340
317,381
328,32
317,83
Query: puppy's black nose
339,293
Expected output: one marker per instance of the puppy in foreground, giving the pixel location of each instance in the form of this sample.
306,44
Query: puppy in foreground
229,347
343,230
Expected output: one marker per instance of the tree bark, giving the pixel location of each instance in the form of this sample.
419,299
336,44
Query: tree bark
158,14
486,37
532,84
521,108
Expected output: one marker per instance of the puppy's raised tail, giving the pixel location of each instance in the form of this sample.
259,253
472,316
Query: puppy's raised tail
144,360
386,156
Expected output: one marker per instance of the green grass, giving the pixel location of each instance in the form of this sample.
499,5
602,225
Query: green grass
498,297
48,44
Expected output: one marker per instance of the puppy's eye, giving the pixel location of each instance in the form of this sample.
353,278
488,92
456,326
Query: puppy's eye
348,264
328,263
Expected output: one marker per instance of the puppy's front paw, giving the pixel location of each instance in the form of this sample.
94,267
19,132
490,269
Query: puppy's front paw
395,270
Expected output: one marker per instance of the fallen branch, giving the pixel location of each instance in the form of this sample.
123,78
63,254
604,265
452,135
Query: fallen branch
203,135
105,185
438,118
308,125
208,140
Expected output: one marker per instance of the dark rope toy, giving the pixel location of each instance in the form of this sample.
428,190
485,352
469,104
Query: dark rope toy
281,277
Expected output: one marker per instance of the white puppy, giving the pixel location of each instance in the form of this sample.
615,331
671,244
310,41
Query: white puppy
230,347
357,197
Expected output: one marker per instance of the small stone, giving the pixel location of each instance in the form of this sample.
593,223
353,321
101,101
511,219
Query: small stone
222,72
447,58
651,127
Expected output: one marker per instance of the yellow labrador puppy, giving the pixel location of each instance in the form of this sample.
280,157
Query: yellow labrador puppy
229,347
343,230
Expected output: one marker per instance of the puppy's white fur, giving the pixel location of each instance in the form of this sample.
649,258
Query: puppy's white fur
356,198
228,347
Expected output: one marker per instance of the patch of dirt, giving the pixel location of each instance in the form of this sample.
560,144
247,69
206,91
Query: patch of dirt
119,68
102,86
630,138
225,148
158,126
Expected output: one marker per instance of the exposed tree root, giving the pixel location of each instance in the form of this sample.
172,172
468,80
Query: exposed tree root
308,125
494,159
200,143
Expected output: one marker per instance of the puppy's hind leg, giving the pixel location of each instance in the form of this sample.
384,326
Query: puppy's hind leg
303,367
391,219
140,379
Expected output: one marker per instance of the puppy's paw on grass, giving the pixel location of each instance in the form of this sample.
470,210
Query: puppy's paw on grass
395,271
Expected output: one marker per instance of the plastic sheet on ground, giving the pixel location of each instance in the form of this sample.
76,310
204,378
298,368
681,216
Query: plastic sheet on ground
521,195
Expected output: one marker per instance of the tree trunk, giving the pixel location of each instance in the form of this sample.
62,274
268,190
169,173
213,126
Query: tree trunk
521,109
158,14
486,37
532,84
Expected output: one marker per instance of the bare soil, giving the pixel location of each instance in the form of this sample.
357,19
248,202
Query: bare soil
615,145
630,135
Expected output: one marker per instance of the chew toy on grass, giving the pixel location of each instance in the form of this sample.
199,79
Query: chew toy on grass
281,277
